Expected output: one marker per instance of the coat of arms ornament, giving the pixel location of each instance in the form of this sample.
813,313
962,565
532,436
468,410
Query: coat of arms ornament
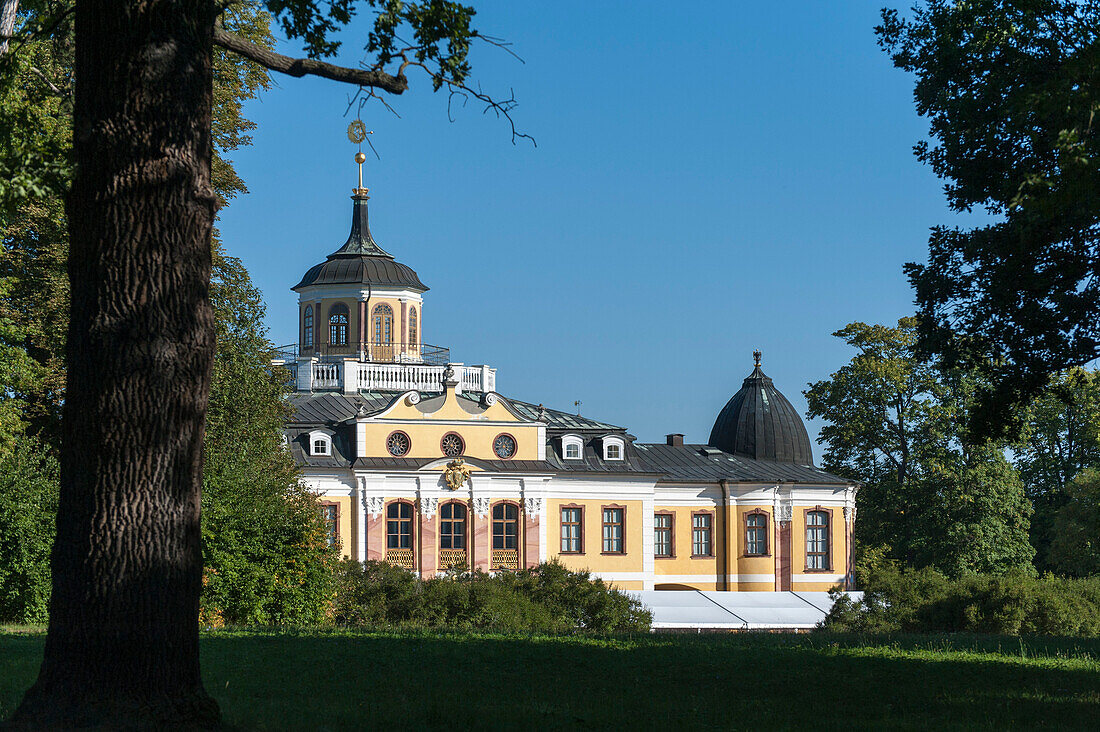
456,474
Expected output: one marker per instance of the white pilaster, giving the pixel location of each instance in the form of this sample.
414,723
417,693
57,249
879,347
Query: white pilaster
351,376
305,374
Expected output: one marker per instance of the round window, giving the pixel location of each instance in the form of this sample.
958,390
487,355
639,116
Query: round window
452,445
504,446
398,444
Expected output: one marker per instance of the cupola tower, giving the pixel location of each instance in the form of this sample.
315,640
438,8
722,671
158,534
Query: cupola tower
361,303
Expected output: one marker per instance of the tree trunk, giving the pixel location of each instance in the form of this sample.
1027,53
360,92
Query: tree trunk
122,648
8,10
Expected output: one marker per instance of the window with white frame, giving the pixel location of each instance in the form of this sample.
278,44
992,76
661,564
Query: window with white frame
612,448
320,443
572,447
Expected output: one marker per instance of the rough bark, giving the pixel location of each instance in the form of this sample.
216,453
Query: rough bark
122,648
8,10
302,66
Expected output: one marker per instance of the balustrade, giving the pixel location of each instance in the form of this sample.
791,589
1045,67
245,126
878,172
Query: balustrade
504,559
404,558
451,558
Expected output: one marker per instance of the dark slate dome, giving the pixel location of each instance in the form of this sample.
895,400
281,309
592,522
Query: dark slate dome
361,261
759,423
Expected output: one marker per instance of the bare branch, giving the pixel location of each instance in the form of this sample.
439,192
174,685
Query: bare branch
501,108
501,44
362,95
49,84
303,66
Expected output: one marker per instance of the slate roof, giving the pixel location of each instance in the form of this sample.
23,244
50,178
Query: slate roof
705,464
329,407
683,463
360,260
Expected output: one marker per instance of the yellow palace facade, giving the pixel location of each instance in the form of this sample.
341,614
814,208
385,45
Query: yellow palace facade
421,462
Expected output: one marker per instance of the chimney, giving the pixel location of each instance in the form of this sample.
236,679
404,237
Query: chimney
675,439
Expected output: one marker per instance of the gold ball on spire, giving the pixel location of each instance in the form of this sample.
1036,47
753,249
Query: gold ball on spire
360,158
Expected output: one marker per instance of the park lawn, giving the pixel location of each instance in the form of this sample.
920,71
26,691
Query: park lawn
420,679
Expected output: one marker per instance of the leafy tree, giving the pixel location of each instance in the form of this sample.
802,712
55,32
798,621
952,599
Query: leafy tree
37,105
1010,89
265,555
894,422
140,342
1061,438
1075,545
28,506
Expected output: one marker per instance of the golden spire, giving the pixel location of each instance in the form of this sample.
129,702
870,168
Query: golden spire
357,132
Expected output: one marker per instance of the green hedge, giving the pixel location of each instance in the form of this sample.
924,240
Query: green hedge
546,598
927,601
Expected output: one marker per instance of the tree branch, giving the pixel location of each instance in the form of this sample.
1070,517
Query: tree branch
303,66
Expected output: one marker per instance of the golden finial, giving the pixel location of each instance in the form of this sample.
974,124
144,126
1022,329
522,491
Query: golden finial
357,132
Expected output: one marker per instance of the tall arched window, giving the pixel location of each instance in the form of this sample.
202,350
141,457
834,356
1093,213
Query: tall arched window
452,529
383,324
338,325
412,326
399,535
399,526
505,554
817,540
756,534
307,327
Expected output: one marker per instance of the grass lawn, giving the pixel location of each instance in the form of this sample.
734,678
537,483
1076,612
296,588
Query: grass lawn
347,680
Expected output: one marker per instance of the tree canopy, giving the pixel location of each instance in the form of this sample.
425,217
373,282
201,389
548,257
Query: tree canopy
1010,88
931,495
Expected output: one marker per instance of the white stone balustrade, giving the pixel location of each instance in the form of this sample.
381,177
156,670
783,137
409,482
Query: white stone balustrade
352,375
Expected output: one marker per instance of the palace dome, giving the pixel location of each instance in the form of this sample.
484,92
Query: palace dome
759,423
360,261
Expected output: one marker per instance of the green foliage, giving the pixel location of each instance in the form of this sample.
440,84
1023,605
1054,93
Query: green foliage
264,549
28,504
1075,548
546,598
34,286
35,113
1009,88
895,422
898,599
439,30
1061,438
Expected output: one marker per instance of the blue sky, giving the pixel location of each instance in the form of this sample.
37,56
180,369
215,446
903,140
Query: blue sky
709,179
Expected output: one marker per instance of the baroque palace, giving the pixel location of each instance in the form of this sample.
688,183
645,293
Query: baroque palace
420,462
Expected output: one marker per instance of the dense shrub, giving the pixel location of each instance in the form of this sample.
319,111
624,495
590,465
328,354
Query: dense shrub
925,600
28,505
546,598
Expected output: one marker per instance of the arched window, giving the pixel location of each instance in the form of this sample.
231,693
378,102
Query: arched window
505,554
307,327
412,326
338,325
452,529
817,540
399,525
756,534
383,324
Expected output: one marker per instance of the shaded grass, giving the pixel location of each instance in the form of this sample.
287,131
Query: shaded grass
416,679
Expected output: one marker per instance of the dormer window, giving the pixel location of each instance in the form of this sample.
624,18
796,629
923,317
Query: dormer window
320,443
572,447
613,448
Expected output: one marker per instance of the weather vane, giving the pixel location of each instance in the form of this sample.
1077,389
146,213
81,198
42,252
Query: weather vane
357,132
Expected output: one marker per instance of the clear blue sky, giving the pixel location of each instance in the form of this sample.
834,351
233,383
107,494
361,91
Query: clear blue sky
709,179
